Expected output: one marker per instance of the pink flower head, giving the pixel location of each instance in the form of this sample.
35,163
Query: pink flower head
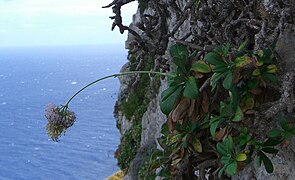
59,119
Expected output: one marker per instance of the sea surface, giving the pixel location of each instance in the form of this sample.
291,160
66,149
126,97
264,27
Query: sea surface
32,77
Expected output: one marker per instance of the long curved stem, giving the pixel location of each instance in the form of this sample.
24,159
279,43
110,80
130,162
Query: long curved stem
114,75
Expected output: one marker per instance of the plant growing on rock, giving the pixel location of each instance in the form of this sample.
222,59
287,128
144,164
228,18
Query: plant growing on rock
210,103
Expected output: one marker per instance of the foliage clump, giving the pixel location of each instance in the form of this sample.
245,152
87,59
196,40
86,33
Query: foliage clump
130,142
136,103
144,171
134,108
210,103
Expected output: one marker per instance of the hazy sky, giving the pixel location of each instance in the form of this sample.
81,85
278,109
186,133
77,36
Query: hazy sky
59,22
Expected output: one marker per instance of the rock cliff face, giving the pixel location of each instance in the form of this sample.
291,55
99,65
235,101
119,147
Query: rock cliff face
201,25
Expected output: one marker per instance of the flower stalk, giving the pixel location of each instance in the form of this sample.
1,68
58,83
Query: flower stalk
60,118
115,75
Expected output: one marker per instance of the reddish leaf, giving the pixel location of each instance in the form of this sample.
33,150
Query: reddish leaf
205,102
181,110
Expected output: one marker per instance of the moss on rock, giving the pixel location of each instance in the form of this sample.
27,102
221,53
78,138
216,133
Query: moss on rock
133,108
130,142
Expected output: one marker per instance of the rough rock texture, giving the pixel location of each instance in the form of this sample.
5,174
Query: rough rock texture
125,81
284,162
203,25
286,49
152,121
284,167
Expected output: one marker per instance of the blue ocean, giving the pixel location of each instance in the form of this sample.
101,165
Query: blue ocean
30,78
